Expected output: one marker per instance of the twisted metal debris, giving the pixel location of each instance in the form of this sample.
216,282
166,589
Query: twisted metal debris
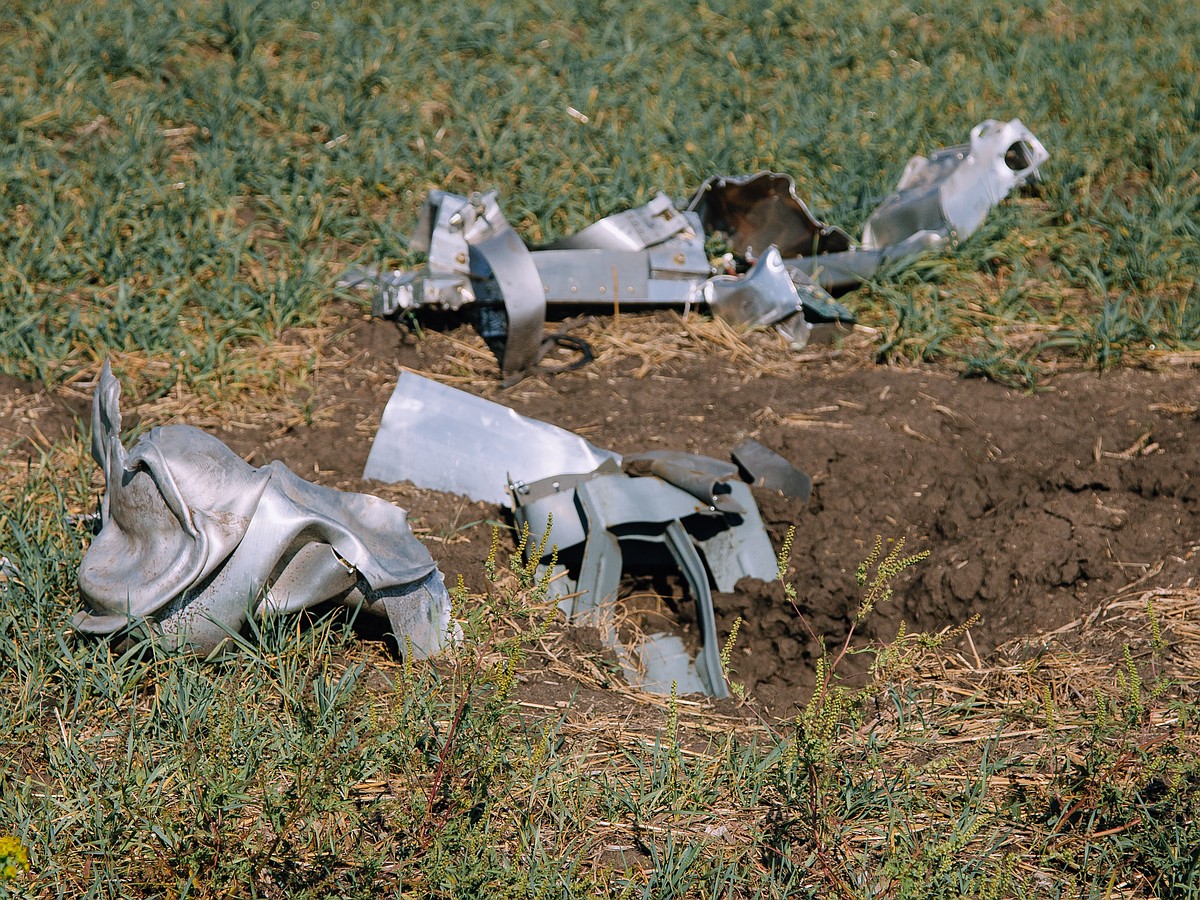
783,264
194,542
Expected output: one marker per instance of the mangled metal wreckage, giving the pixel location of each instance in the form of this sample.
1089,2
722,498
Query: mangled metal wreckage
194,542
604,515
782,265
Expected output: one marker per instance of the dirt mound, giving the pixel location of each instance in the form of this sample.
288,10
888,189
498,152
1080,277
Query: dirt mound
1034,507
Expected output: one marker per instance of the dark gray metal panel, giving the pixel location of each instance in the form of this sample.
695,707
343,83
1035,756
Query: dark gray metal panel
768,469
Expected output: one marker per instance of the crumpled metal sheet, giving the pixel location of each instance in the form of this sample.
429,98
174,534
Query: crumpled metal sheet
951,192
447,440
194,541
692,508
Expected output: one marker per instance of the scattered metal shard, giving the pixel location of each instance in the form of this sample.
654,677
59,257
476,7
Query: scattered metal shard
194,541
691,507
950,193
763,467
784,261
768,294
448,440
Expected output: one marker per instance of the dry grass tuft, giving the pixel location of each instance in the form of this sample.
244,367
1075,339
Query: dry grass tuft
1013,736
642,343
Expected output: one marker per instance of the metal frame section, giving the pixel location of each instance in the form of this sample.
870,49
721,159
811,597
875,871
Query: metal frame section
692,506
784,261
475,257
193,542
653,255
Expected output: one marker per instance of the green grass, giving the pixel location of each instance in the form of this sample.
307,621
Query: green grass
187,179
307,762
181,183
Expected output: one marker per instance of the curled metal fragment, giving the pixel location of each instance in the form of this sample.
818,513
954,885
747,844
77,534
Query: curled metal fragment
705,478
757,211
194,542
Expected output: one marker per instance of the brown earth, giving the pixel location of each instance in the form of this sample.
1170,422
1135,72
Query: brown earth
1034,506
